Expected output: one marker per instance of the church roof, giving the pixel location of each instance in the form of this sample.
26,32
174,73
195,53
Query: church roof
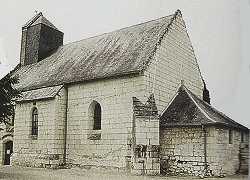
186,109
39,19
118,53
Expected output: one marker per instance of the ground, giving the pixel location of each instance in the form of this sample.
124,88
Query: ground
18,173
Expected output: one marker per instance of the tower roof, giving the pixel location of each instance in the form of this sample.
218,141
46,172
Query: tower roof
38,19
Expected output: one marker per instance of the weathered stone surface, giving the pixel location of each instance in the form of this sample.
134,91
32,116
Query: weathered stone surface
49,142
182,151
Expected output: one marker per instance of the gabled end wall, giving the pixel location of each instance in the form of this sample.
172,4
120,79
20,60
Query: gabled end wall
174,60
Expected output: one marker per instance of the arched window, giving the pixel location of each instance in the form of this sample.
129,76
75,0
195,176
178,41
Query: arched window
34,127
97,116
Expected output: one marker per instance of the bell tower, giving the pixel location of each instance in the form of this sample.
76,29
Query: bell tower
40,38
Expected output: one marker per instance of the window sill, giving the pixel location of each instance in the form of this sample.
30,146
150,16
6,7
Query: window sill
33,137
94,135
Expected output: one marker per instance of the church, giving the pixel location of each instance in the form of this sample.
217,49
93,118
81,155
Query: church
130,100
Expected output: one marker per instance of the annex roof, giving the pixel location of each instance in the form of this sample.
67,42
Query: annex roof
121,52
186,109
38,94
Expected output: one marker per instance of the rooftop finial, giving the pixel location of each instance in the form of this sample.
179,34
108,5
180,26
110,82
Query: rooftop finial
182,82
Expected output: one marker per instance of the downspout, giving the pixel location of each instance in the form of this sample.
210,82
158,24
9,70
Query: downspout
65,127
205,148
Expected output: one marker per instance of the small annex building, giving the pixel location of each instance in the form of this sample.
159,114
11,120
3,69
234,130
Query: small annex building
130,100
195,138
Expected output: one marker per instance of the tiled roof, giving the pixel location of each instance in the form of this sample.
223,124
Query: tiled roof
186,109
122,52
39,19
43,93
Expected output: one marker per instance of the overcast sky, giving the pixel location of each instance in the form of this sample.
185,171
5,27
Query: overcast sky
219,31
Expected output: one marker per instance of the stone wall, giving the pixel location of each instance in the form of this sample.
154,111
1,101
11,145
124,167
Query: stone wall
174,61
183,152
224,157
47,149
107,147
244,158
145,141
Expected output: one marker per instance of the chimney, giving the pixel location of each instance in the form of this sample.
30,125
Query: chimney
40,38
206,96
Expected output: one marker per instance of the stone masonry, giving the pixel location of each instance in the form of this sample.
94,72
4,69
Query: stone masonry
183,151
47,149
145,138
174,61
106,147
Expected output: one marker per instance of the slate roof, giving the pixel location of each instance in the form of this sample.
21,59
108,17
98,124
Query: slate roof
39,19
122,52
186,109
43,93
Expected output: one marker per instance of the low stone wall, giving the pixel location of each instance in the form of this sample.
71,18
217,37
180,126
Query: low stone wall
182,151
244,158
145,138
146,160
37,160
223,156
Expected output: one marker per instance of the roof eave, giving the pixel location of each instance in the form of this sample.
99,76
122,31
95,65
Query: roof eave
132,73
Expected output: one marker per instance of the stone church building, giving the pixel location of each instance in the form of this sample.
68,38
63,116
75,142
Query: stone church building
130,100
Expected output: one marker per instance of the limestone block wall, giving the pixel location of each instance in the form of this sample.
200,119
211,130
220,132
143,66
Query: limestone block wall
109,146
145,155
47,149
224,157
174,61
147,130
182,151
145,141
244,157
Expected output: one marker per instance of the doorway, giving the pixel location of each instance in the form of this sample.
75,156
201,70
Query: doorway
8,150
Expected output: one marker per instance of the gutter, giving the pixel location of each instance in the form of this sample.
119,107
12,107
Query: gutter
205,148
65,128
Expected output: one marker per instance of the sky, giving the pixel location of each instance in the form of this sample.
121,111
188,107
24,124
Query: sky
218,29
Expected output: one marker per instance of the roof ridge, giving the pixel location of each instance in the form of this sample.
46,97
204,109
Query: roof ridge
160,39
210,106
39,19
190,96
32,20
220,113
98,35
118,53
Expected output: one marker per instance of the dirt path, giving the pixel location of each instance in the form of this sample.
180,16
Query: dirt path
18,173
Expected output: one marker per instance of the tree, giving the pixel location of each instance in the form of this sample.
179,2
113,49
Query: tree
7,94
